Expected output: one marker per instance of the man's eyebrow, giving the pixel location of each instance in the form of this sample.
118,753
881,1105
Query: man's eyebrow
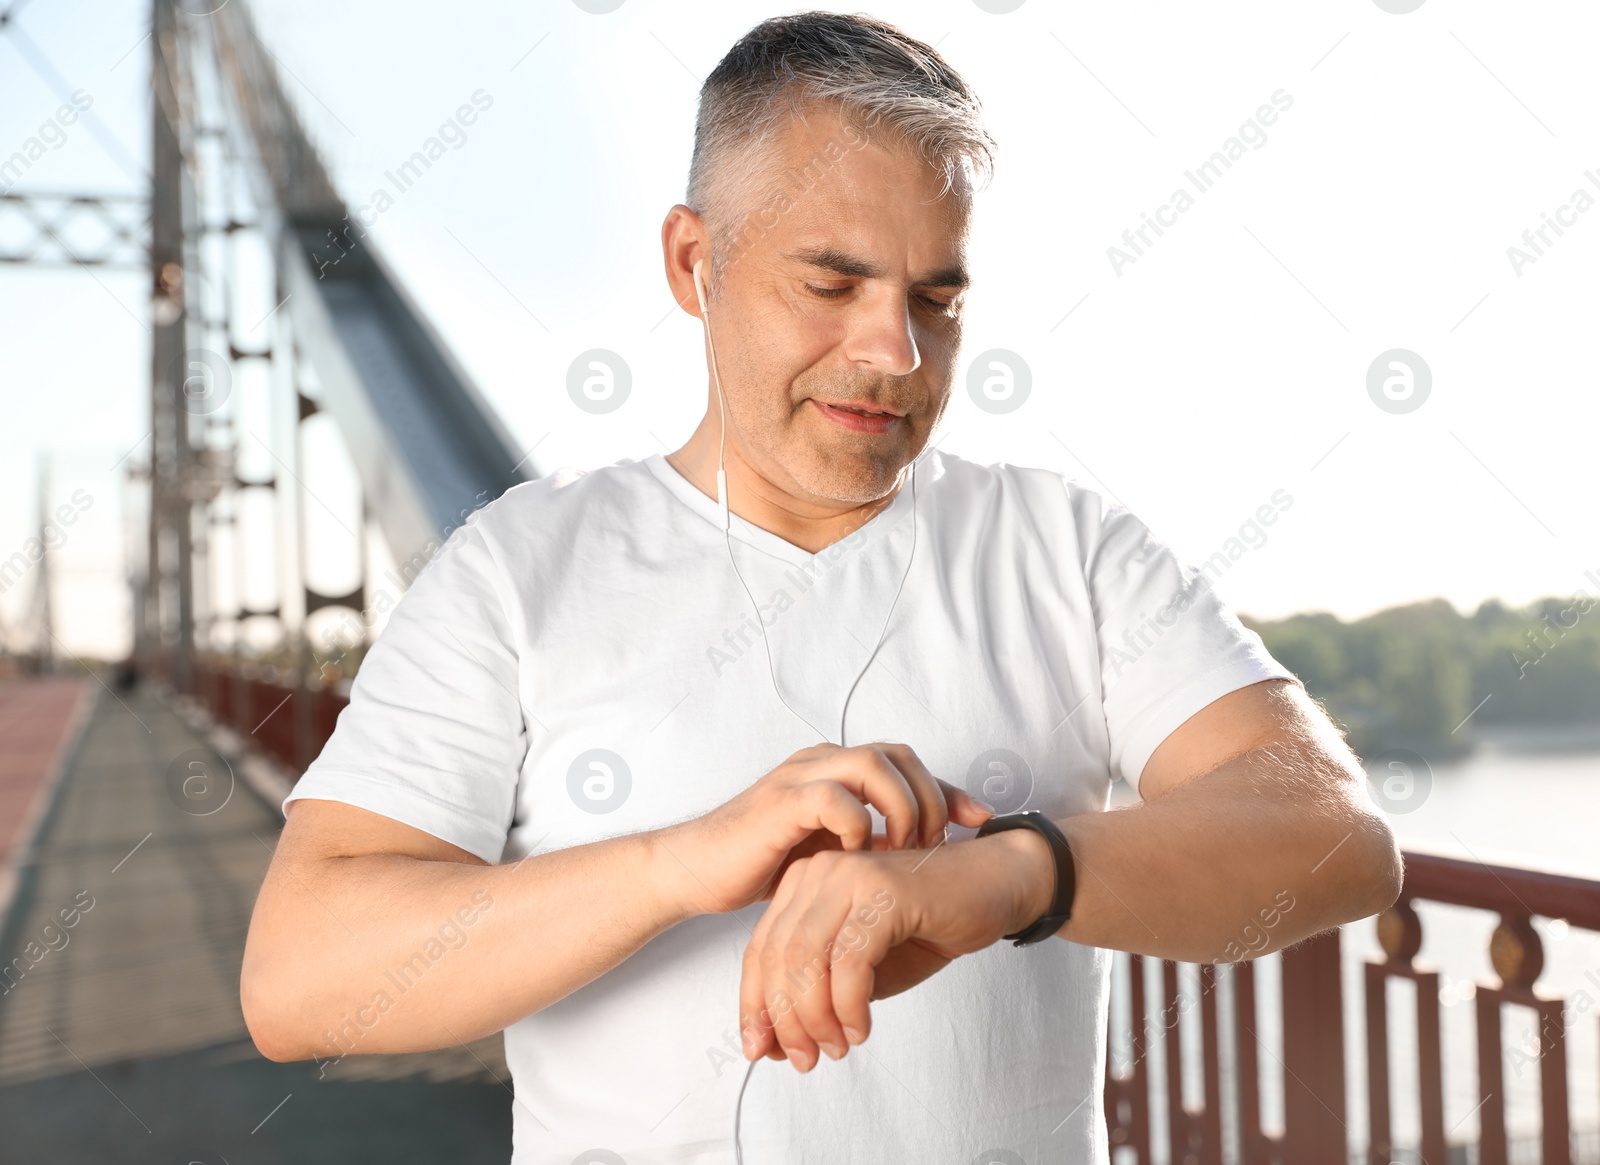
853,267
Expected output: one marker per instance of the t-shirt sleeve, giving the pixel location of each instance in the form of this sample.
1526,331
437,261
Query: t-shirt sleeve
1169,645
434,734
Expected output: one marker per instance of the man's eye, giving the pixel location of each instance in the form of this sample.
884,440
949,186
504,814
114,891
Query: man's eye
937,305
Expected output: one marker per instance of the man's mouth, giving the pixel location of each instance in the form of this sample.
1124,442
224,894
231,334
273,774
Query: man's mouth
867,410
861,418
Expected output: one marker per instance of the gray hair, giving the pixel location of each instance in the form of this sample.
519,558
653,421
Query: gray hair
865,67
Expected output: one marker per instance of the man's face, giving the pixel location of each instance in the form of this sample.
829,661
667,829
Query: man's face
849,300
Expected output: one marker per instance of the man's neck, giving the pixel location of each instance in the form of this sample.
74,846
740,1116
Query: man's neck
813,526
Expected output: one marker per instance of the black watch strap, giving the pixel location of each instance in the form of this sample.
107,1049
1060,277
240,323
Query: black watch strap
1066,871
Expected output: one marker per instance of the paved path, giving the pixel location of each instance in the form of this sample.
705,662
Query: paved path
121,1037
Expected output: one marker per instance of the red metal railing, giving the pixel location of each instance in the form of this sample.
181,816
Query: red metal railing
280,714
1312,1063
290,720
1314,1110
1517,956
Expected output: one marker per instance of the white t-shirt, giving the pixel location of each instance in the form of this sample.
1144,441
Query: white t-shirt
580,661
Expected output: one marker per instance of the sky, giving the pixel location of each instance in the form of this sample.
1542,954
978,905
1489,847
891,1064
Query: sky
1274,336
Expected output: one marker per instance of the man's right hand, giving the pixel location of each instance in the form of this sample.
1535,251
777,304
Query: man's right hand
815,800
546,925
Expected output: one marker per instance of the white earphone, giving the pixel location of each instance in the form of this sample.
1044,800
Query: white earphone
722,501
722,412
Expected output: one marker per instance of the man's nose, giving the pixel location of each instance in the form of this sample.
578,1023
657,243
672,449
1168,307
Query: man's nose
881,335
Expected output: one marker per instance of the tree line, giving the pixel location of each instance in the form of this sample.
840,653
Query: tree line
1411,676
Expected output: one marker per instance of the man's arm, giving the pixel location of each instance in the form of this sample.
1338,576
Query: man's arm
372,936
1255,833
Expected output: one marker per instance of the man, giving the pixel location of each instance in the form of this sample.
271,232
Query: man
654,786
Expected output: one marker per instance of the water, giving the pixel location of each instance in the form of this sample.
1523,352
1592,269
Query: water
1513,806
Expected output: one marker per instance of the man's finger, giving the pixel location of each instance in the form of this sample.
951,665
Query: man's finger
755,1036
780,1003
808,953
753,1015
851,979
965,809
786,986
868,773
839,812
932,808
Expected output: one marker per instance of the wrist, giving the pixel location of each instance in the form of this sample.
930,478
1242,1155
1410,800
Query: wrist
676,896
1030,875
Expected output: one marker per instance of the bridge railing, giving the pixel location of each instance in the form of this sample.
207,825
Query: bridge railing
1192,1069
1184,1071
1516,953
285,716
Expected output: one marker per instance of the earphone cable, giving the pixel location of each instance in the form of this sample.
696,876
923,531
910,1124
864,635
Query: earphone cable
727,535
882,631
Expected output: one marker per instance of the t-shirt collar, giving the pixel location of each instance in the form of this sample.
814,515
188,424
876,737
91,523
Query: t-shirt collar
748,532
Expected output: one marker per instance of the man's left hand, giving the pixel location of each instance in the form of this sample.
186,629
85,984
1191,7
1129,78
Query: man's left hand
846,928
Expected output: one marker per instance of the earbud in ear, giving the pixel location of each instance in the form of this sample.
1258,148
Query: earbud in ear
699,289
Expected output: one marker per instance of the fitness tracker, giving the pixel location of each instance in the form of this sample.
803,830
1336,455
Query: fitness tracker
1066,871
